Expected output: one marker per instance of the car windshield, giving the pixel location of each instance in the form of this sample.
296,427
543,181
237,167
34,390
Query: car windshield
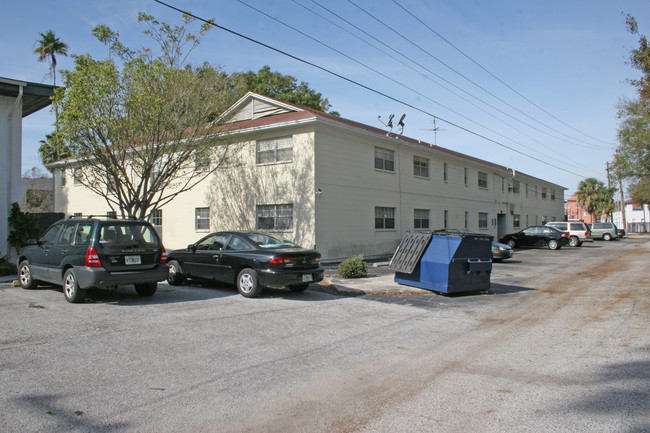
267,241
128,236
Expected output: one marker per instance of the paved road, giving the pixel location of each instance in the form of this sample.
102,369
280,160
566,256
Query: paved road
563,344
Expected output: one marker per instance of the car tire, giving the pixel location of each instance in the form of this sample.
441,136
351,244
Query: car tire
511,243
175,277
147,289
553,245
574,241
26,277
299,287
71,290
607,237
247,283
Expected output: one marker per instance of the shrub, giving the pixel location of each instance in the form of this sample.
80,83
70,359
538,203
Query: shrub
23,227
354,267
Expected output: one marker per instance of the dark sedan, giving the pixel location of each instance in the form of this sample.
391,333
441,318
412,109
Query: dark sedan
537,236
250,260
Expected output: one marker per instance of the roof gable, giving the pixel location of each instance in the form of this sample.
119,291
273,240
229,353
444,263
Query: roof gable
254,106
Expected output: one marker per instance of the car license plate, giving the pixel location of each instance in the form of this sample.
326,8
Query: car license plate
132,260
307,278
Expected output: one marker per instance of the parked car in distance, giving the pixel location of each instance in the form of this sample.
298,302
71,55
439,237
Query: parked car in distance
578,231
249,260
605,231
84,253
537,236
501,252
620,232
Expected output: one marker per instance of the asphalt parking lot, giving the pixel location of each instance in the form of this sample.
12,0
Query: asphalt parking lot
559,343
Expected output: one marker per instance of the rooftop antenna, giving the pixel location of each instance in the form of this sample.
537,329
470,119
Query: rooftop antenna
388,124
401,123
435,130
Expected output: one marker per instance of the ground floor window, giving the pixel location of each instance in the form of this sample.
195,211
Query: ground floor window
482,220
202,219
275,217
421,218
445,218
466,219
384,217
516,220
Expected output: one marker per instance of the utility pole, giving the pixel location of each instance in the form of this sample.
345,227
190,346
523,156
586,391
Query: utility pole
620,189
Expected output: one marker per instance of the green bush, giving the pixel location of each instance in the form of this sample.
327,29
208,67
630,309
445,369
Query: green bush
22,227
354,267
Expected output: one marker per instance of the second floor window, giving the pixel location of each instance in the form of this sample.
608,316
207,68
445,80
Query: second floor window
275,150
420,166
384,159
482,180
515,186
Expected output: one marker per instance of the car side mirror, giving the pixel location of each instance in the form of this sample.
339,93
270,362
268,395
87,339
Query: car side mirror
191,247
33,242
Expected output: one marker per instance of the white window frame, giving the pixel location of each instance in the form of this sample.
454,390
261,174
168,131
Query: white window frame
385,218
483,218
274,217
482,180
420,167
384,159
421,219
274,150
202,219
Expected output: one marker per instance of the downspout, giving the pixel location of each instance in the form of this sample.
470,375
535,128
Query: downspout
19,98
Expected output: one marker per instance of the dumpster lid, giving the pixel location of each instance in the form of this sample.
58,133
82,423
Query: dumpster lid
409,251
458,232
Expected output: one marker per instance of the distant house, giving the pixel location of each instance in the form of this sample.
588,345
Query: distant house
18,99
637,217
339,186
574,211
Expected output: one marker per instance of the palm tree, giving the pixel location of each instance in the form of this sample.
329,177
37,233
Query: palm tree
47,49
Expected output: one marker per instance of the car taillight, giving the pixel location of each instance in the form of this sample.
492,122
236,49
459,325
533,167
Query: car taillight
163,256
317,258
564,235
281,260
92,258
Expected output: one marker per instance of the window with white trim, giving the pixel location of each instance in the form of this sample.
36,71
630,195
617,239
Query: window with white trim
516,188
275,150
156,217
482,180
421,218
482,220
202,219
384,217
420,166
516,220
384,159
275,217
544,193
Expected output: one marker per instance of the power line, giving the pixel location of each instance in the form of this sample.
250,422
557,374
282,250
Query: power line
356,83
461,74
494,76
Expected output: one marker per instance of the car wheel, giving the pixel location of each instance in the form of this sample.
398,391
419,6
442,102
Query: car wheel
511,243
175,277
574,241
25,276
147,289
299,287
607,237
71,289
247,283
553,244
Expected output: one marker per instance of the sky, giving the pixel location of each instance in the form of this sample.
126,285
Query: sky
533,86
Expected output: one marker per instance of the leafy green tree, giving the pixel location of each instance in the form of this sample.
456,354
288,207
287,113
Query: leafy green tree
632,157
282,87
47,48
53,149
640,191
140,126
595,197
22,227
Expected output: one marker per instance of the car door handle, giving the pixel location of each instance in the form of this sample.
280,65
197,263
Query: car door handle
64,251
216,256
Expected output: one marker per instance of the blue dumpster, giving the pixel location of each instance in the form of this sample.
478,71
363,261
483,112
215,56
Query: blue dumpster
444,261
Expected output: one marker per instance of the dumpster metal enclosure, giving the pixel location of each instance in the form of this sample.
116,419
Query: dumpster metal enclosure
446,261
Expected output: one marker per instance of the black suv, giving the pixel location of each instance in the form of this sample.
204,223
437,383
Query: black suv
82,253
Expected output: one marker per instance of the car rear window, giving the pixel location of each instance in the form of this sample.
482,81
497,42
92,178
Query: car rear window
266,241
128,236
577,226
